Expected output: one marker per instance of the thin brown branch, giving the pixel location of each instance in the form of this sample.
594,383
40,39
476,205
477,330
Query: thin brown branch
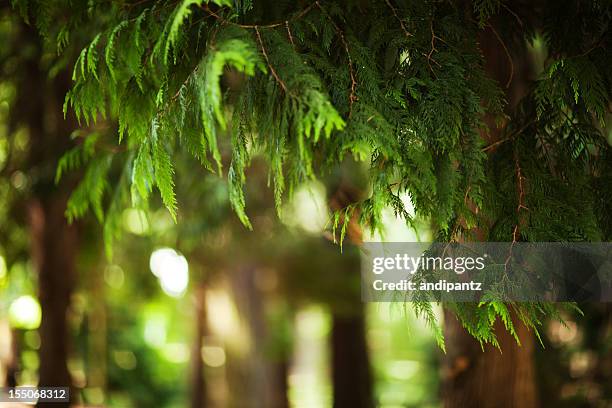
503,44
429,55
265,54
508,138
521,188
433,40
258,26
514,14
520,179
289,33
495,144
178,92
394,10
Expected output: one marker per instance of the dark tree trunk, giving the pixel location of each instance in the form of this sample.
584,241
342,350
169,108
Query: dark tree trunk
351,378
199,393
280,373
351,373
38,108
12,366
53,252
489,378
493,378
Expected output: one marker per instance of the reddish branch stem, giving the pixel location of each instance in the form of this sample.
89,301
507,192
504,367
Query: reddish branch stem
503,44
429,55
265,54
352,96
258,26
289,33
406,32
520,206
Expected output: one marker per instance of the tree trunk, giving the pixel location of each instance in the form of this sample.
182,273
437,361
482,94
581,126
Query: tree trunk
11,357
38,108
53,253
97,331
489,378
351,378
351,374
265,375
280,373
199,393
474,377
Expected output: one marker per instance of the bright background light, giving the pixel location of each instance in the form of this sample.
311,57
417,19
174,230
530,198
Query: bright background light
24,313
2,267
308,209
172,270
135,221
213,356
3,274
395,228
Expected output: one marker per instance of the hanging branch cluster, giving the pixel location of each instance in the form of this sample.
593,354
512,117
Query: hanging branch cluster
210,80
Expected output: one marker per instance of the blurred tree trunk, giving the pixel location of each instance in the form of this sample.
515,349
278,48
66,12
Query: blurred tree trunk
266,369
199,394
351,373
489,378
97,330
352,380
38,108
53,244
280,370
12,366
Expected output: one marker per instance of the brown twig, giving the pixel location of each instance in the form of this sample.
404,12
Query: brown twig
521,188
265,54
289,33
514,14
507,139
408,34
258,26
503,44
178,92
433,40
495,144
520,206
352,96
429,55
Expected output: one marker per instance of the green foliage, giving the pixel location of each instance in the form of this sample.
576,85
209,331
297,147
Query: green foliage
573,83
163,170
78,155
234,50
424,309
399,86
89,193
